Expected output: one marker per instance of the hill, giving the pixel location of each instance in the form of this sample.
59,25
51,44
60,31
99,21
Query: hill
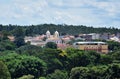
63,29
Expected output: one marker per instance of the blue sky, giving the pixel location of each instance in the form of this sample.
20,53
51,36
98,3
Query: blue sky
97,13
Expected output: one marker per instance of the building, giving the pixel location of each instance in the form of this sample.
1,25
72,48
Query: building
118,35
105,36
11,38
53,38
37,40
86,37
100,47
115,38
95,36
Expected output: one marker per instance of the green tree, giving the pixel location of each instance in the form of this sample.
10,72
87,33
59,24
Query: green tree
29,50
4,35
114,71
94,72
79,73
19,41
51,57
20,65
76,58
58,74
19,34
98,72
51,45
105,59
116,56
4,73
7,45
112,45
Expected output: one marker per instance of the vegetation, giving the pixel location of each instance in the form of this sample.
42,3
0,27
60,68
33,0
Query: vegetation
58,74
23,61
20,65
4,73
19,36
42,28
47,63
51,45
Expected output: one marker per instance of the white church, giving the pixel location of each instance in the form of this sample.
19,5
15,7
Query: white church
53,38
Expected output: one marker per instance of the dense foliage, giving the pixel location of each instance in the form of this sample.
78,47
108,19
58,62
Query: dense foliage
4,73
20,65
71,29
30,61
51,45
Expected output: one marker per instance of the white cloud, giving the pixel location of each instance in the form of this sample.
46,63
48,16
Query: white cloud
87,12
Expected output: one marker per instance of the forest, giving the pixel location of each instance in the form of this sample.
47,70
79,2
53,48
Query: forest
40,29
20,60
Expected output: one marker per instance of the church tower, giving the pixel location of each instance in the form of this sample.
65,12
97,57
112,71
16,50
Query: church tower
48,34
56,34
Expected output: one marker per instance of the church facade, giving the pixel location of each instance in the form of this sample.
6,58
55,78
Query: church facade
53,38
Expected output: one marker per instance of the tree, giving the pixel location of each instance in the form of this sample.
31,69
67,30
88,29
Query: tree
98,72
4,73
112,45
116,56
4,35
29,50
19,36
19,32
7,45
94,72
79,73
19,41
51,57
58,74
114,71
76,58
105,59
51,45
20,65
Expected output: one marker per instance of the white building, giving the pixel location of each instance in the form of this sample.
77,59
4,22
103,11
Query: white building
53,38
115,38
95,36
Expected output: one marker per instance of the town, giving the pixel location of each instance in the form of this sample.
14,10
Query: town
50,52
92,41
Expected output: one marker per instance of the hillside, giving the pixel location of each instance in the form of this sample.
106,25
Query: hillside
63,29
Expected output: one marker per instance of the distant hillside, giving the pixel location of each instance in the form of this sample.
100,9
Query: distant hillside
63,29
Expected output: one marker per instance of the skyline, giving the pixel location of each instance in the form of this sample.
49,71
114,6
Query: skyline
96,13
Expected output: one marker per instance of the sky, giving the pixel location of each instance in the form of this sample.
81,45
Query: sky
97,13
